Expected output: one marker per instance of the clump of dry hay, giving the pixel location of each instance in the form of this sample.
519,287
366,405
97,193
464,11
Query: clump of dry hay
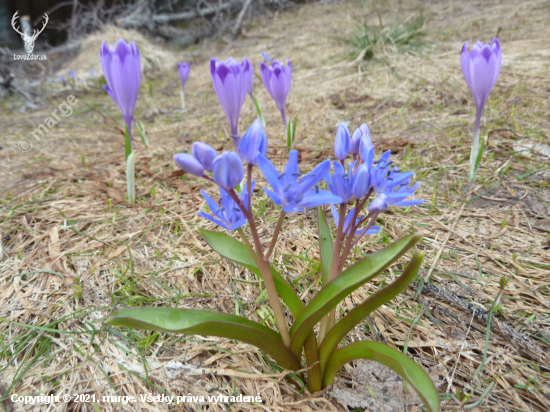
153,56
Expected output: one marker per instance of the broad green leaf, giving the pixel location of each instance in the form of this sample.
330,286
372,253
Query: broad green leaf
358,313
325,244
235,251
202,322
341,286
393,359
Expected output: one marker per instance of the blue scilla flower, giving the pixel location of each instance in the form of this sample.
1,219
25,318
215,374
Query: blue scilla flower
342,142
341,183
227,213
295,195
72,74
254,141
370,231
384,178
392,186
228,170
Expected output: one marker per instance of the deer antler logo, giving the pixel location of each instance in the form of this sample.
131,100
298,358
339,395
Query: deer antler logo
29,40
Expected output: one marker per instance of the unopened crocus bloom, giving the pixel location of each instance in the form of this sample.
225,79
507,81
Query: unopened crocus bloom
228,170
205,154
189,164
295,195
231,81
122,69
276,80
227,213
254,141
480,69
342,142
183,70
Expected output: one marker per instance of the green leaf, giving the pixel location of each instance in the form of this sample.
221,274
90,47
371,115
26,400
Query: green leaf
131,178
341,286
289,141
235,251
479,155
202,322
142,133
294,125
412,373
259,111
358,313
325,244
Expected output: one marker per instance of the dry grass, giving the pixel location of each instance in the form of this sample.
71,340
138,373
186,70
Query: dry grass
73,251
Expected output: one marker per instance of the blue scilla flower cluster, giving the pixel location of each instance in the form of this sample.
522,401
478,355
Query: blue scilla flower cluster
358,179
362,177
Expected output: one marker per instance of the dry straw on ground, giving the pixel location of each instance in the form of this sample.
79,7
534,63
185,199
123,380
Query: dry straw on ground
73,251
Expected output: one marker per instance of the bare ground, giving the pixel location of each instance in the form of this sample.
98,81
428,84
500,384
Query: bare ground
73,251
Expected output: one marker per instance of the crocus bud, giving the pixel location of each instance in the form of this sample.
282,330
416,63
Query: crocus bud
342,142
122,69
231,81
277,81
228,170
189,164
183,70
254,141
362,181
379,204
205,154
481,68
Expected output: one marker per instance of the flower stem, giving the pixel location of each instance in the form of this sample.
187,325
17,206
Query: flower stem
265,269
236,139
326,323
475,147
275,234
249,186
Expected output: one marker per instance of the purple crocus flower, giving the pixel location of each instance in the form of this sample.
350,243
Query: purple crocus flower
276,80
183,70
295,195
122,69
227,213
231,81
480,69
254,141
228,170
